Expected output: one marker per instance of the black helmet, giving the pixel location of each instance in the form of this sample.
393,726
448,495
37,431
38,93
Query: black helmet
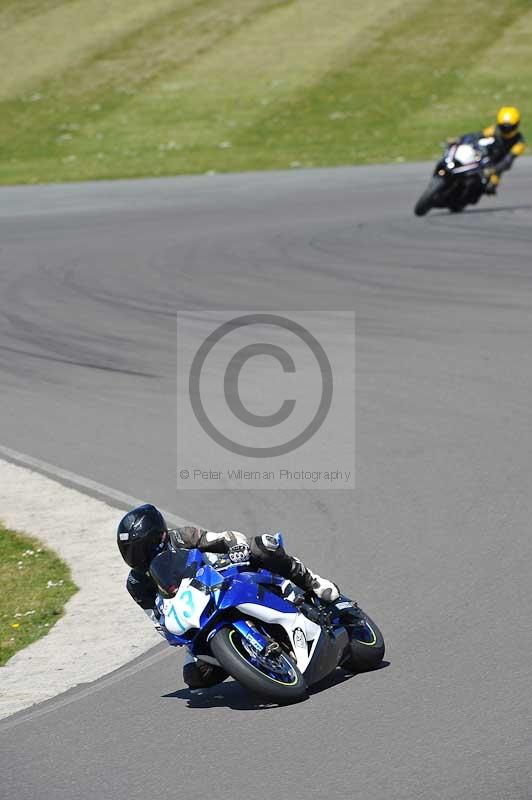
140,535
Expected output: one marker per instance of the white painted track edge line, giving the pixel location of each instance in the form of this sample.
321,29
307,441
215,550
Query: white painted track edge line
82,690
86,485
114,498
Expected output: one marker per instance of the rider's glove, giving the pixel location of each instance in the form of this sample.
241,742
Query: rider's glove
239,553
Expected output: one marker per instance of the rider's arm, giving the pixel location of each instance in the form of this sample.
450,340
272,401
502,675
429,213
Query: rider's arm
142,589
518,148
207,541
506,162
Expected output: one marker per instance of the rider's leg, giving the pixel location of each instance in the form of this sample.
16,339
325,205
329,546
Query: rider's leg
268,553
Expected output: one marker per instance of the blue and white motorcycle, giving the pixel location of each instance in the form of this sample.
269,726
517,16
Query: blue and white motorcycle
266,633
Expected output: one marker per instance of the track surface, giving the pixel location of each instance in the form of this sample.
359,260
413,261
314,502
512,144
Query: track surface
435,541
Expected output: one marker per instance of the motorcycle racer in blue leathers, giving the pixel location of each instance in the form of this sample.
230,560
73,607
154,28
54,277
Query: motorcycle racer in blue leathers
142,534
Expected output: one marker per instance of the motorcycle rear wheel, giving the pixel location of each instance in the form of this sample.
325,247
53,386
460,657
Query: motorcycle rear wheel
274,677
366,646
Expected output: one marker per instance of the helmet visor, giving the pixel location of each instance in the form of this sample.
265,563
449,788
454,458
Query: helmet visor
139,553
507,129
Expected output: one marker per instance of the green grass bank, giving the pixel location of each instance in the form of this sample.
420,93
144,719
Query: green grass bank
36,584
92,90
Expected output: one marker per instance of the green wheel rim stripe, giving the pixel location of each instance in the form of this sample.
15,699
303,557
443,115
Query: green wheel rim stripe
368,644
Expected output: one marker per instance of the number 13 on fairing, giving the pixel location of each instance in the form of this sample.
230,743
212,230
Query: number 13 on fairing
184,610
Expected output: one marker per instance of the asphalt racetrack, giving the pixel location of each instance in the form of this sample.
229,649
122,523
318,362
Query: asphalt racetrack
434,542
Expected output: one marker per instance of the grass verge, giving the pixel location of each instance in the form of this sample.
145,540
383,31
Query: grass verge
189,86
36,584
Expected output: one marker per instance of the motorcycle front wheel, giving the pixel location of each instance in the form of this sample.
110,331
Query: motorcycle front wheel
426,201
273,676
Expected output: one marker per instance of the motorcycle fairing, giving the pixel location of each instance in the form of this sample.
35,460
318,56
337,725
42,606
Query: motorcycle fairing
251,587
202,604
184,611
331,649
303,634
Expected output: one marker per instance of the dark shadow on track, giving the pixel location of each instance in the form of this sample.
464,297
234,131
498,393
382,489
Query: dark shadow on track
341,676
231,695
496,210
443,212
226,695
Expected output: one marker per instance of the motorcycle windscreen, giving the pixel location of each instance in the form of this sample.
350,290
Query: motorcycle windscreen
168,570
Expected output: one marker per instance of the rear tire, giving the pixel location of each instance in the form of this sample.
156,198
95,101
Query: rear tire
228,648
366,645
426,201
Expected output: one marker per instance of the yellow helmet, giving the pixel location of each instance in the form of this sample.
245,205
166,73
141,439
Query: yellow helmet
508,119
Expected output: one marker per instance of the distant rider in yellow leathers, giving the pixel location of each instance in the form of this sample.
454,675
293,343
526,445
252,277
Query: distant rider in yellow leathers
507,145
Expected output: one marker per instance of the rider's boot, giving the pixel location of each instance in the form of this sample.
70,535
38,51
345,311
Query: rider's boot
198,674
323,588
492,184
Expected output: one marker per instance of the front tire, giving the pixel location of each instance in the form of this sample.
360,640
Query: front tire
276,678
426,201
